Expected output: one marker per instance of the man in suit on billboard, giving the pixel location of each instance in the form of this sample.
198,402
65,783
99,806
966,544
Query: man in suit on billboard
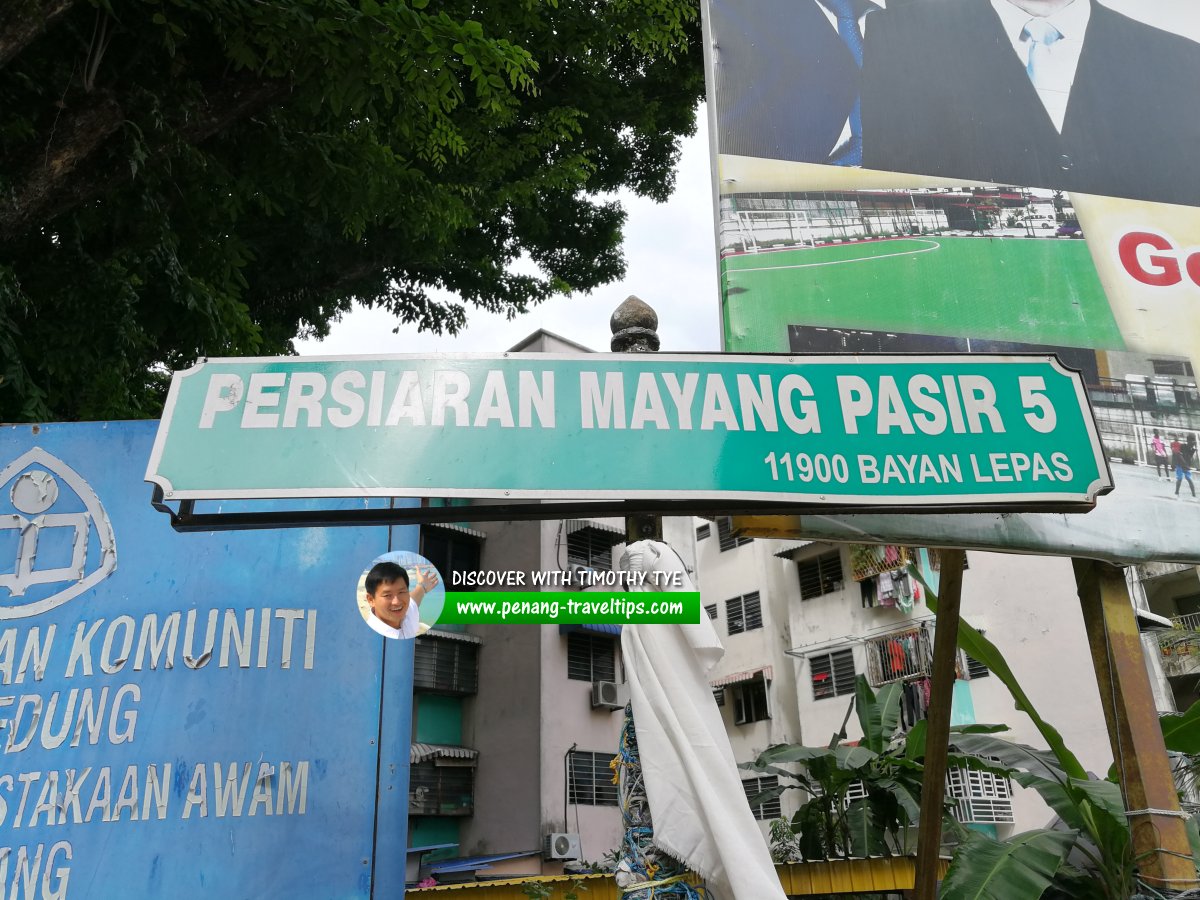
787,77
1065,94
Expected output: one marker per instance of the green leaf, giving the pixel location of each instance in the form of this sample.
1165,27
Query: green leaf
783,753
914,741
1012,755
1181,731
1018,869
909,801
1193,833
869,718
809,824
979,647
854,757
978,729
866,833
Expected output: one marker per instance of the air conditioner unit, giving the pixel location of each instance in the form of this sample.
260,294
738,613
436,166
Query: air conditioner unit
609,694
561,845
581,574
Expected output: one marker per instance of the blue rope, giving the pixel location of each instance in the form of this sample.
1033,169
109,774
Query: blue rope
658,874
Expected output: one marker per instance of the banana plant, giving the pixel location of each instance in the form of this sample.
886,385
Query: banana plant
1035,864
863,797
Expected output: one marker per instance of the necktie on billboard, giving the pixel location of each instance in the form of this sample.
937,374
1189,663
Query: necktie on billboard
1041,36
847,13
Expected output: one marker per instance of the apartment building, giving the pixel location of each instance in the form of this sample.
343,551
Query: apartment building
800,620
515,726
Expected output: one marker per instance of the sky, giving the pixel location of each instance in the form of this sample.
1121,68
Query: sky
671,257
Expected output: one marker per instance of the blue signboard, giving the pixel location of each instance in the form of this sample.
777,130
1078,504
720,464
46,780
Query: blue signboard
187,715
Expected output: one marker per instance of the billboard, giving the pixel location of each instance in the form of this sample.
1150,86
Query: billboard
931,176
186,714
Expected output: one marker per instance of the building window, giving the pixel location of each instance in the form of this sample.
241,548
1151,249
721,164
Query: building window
976,669
719,696
703,531
750,702
935,560
743,613
1180,367
436,788
983,797
590,779
711,610
768,809
591,547
446,666
832,674
820,575
725,536
591,657
453,553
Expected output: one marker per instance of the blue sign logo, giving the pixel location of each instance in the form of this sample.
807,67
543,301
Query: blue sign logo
56,540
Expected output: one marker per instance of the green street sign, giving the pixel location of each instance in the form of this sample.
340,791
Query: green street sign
864,431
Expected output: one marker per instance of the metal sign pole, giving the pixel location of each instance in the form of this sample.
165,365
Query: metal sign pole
634,325
933,786
1160,844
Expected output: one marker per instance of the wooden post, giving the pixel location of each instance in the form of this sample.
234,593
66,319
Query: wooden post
937,741
1160,844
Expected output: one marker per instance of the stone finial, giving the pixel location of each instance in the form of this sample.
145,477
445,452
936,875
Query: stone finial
634,326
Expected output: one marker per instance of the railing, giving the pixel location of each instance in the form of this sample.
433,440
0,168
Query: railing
1190,622
898,656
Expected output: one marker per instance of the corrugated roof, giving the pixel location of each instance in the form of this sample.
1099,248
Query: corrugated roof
742,677
454,526
453,635
573,525
786,551
429,847
470,863
422,752
594,627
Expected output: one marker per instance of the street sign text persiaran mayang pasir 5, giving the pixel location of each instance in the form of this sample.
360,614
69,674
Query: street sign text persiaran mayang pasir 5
877,430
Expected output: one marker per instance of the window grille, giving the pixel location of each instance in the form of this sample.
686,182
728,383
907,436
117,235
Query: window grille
769,809
445,666
820,575
898,656
868,560
703,531
591,547
590,779
719,696
976,669
725,536
591,657
832,674
743,613
452,553
711,609
438,789
982,797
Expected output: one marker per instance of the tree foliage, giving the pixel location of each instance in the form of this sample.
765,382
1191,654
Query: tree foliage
186,178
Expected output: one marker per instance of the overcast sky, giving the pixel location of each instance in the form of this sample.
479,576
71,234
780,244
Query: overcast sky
669,249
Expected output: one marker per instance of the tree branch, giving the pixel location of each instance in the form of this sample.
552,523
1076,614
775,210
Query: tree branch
24,20
73,141
57,181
